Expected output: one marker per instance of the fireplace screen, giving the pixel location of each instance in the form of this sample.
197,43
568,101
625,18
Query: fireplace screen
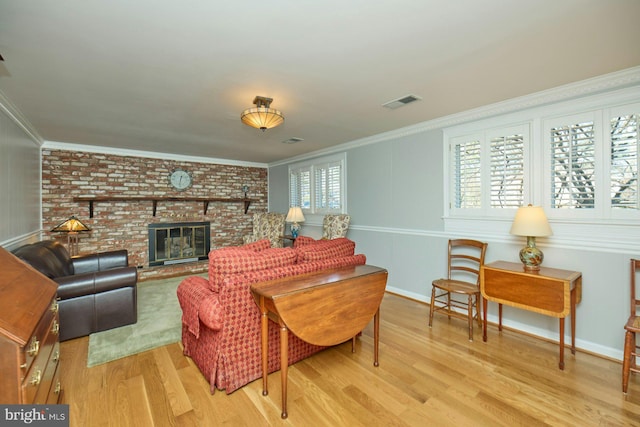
173,243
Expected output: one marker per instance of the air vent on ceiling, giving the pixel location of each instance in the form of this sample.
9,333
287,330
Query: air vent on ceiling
292,140
397,103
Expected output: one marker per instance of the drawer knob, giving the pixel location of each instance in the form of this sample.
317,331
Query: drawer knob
54,306
34,347
58,388
55,327
36,377
56,356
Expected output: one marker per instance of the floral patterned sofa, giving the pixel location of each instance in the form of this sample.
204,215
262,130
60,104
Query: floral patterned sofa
220,319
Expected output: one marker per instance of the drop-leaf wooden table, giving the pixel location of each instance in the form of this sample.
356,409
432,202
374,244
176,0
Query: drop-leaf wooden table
323,308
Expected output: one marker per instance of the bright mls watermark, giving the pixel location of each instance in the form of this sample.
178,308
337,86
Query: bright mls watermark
34,415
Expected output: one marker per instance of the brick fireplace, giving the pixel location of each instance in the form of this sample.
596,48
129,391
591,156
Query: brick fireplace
178,242
124,224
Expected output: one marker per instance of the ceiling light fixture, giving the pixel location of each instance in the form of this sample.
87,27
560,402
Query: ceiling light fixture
261,116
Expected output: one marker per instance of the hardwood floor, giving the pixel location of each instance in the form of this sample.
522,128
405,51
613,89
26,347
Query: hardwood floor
432,377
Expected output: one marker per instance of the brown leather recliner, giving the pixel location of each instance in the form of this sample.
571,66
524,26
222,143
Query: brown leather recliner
96,292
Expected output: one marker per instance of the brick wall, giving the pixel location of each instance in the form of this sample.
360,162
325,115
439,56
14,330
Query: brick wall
115,225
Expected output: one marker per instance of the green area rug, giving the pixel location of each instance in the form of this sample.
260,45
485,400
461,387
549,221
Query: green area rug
159,323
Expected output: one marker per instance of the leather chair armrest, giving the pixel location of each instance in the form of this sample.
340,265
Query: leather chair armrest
100,261
94,283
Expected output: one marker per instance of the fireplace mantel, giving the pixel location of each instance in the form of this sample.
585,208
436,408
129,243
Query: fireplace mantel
155,200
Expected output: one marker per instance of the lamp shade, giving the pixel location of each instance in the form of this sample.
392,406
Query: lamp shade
261,116
71,225
295,215
531,221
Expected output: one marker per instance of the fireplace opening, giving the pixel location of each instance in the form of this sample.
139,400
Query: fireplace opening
176,243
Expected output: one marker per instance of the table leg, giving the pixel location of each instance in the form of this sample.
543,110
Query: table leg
265,351
284,365
561,364
484,320
376,336
573,321
500,317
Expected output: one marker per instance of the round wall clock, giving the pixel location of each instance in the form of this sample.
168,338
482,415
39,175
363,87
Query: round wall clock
180,179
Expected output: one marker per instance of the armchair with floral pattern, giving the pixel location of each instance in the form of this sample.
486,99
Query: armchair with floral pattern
267,225
334,226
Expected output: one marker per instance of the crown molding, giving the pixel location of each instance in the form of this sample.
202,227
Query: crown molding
11,111
56,145
608,82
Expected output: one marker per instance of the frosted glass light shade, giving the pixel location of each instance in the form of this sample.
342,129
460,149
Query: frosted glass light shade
261,116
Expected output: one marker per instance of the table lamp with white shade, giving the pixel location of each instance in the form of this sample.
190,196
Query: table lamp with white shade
531,222
295,216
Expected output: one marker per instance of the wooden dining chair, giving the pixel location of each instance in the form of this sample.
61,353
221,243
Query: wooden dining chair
631,328
464,260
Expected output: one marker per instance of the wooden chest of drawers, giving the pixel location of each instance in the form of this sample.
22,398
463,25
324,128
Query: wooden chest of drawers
29,345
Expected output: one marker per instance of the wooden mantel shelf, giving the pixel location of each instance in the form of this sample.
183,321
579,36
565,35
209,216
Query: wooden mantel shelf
155,200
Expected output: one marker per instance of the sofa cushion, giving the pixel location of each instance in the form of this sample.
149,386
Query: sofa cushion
258,246
303,241
100,261
325,249
226,262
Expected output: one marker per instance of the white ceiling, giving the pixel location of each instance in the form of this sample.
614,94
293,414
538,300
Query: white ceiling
173,76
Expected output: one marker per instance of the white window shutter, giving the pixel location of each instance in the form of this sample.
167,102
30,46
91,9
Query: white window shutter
624,162
573,166
334,187
507,171
305,189
466,184
294,188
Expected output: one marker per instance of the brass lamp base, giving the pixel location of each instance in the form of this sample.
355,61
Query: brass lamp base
531,256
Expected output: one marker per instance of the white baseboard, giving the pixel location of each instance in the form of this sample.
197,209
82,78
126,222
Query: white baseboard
588,346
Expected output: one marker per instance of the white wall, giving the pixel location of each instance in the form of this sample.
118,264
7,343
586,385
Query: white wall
395,198
20,213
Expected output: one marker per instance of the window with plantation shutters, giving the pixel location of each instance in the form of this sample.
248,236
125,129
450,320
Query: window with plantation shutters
578,160
506,170
624,162
466,183
488,170
318,186
328,180
300,188
573,166
294,188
